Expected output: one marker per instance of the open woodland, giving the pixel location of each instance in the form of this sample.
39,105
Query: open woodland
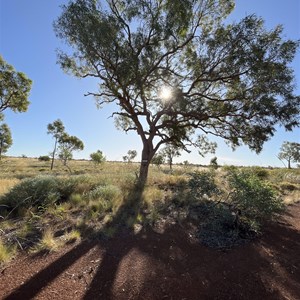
86,236
180,76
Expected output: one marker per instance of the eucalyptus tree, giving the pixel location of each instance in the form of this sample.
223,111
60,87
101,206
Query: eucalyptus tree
175,69
5,139
170,152
57,130
67,145
131,154
158,159
98,157
14,89
290,151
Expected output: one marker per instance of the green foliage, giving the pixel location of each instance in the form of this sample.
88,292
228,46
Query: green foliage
238,216
38,192
205,146
231,80
213,163
170,152
68,144
5,138
56,129
44,158
290,152
131,154
14,88
202,184
106,192
219,229
97,157
158,159
253,197
259,172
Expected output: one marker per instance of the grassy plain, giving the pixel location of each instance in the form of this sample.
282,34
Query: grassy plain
87,200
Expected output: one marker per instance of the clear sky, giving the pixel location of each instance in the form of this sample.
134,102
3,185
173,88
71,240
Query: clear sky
27,42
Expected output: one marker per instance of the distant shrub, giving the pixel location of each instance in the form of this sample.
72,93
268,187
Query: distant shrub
230,168
97,157
259,172
44,158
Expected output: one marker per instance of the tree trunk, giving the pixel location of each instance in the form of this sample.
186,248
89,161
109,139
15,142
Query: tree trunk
170,163
289,164
1,147
147,155
53,154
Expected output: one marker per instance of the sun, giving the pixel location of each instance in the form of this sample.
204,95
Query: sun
165,93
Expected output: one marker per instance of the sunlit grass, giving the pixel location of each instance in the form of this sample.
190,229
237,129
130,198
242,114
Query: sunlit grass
47,243
97,194
72,236
6,252
7,184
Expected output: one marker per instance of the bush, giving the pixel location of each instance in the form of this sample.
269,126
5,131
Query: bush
219,229
253,197
97,157
44,158
106,192
231,221
259,172
203,183
38,192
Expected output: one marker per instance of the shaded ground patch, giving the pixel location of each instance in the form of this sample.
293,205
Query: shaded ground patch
167,263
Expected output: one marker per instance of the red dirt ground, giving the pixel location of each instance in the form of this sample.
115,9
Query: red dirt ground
163,264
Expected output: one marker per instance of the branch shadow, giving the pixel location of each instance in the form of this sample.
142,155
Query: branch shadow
35,284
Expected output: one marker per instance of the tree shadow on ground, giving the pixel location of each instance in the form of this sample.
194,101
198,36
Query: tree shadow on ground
168,264
35,284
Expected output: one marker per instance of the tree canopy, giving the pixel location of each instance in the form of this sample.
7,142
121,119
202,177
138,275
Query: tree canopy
56,129
176,69
97,157
5,139
14,88
290,151
67,145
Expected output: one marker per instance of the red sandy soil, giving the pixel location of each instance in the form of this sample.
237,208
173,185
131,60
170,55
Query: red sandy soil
163,264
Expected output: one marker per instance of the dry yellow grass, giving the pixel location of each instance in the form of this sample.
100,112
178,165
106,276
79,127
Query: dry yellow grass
7,184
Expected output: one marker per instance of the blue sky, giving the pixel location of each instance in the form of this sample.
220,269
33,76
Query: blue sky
27,42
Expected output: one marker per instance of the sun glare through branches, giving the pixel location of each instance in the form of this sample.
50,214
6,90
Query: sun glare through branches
165,93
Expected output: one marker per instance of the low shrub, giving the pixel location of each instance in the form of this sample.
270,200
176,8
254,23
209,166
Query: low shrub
106,192
254,198
259,172
219,229
203,184
38,192
228,222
